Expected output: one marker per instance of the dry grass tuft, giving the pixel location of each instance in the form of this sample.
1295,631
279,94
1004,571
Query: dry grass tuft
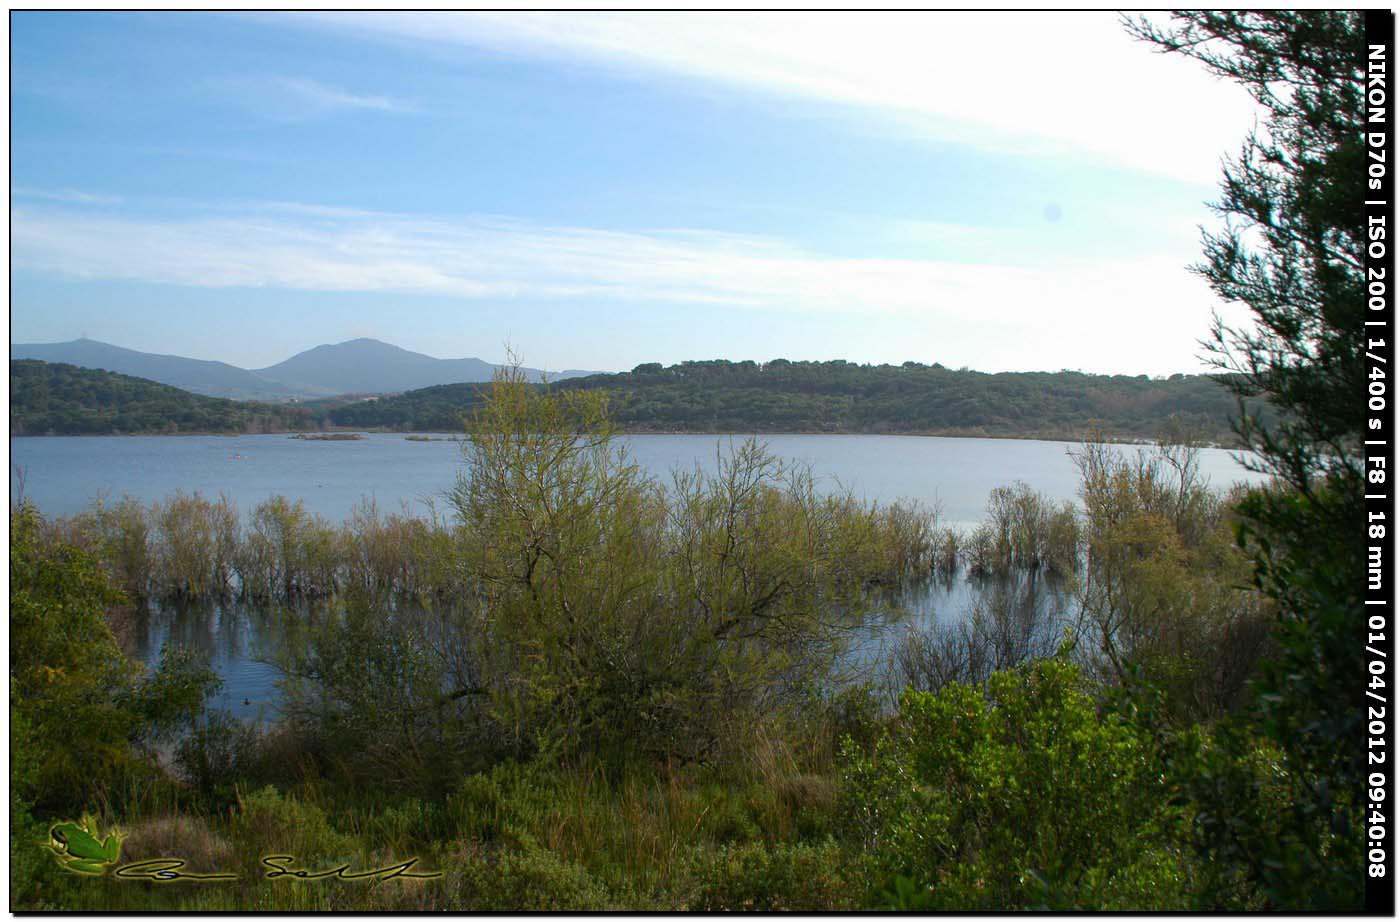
178,837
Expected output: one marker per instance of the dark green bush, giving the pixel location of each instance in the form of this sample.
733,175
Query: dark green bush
1011,793
527,878
754,877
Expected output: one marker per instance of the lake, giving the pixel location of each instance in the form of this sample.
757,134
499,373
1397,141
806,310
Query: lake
63,475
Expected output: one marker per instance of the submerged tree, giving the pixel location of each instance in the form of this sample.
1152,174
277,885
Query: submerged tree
1291,251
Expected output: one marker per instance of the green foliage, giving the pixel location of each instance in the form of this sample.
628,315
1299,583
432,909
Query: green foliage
56,399
1281,789
373,693
268,822
1293,253
441,408
488,805
778,396
80,712
1255,825
27,862
529,879
754,877
783,396
619,617
1164,598
288,552
1003,795
81,703
195,541
218,752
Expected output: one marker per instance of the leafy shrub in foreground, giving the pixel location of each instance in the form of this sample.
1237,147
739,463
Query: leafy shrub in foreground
1011,794
755,877
84,708
530,879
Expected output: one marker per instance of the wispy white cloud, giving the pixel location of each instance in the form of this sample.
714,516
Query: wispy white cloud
1042,84
69,196
286,97
999,312
327,97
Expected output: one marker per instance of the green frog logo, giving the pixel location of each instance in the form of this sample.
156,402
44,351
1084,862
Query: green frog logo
77,848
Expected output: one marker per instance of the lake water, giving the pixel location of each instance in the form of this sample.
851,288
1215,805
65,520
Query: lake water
63,475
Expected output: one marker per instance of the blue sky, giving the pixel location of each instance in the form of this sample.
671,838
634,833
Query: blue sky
1006,192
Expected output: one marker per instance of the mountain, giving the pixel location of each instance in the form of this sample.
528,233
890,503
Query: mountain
368,366
213,379
360,366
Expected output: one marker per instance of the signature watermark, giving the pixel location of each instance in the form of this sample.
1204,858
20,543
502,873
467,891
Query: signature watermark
79,848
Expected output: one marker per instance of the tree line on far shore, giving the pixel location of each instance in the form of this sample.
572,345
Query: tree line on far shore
709,396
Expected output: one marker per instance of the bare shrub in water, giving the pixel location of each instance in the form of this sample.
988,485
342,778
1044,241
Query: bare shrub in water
399,555
119,535
195,545
1164,597
983,552
375,558
288,552
1030,532
948,551
912,533
1011,620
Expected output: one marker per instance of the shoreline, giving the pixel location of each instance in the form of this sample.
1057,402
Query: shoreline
322,435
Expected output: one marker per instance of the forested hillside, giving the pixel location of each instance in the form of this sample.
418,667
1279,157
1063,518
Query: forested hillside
779,396
783,396
56,399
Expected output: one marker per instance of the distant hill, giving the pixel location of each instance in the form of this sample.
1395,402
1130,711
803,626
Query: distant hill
783,396
430,409
215,379
839,396
368,366
58,399
360,366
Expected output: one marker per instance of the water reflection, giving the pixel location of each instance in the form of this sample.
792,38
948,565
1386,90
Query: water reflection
958,627
241,642
949,627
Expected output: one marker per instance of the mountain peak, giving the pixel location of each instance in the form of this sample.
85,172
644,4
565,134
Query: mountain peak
355,366
363,345
199,376
370,366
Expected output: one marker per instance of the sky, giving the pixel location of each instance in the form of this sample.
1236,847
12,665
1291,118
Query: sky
1005,192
